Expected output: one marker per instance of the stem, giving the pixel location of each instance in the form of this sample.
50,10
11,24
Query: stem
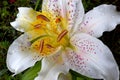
37,4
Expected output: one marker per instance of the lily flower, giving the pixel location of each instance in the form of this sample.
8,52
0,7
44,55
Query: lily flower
64,38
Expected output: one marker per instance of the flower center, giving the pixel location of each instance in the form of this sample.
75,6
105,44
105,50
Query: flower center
48,34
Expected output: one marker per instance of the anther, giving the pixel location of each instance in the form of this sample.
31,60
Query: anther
37,26
57,20
61,35
43,17
41,45
49,46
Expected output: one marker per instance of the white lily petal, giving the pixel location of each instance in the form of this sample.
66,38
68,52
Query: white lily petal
50,71
52,66
71,10
24,19
20,56
91,58
100,19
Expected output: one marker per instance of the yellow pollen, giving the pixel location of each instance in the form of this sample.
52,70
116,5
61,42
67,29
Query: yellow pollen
41,45
48,34
43,17
61,35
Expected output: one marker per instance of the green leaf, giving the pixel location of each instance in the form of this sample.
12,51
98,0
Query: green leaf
77,76
38,5
31,73
5,3
74,77
3,72
4,44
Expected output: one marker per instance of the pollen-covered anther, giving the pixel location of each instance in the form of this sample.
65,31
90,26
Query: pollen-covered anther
43,18
41,45
49,46
57,20
37,26
61,35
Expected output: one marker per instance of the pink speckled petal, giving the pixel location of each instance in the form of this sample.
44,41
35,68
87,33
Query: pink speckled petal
71,10
91,58
100,19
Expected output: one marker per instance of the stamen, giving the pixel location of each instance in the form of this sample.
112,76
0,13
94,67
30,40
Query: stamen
61,35
43,17
49,46
37,26
41,45
57,20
